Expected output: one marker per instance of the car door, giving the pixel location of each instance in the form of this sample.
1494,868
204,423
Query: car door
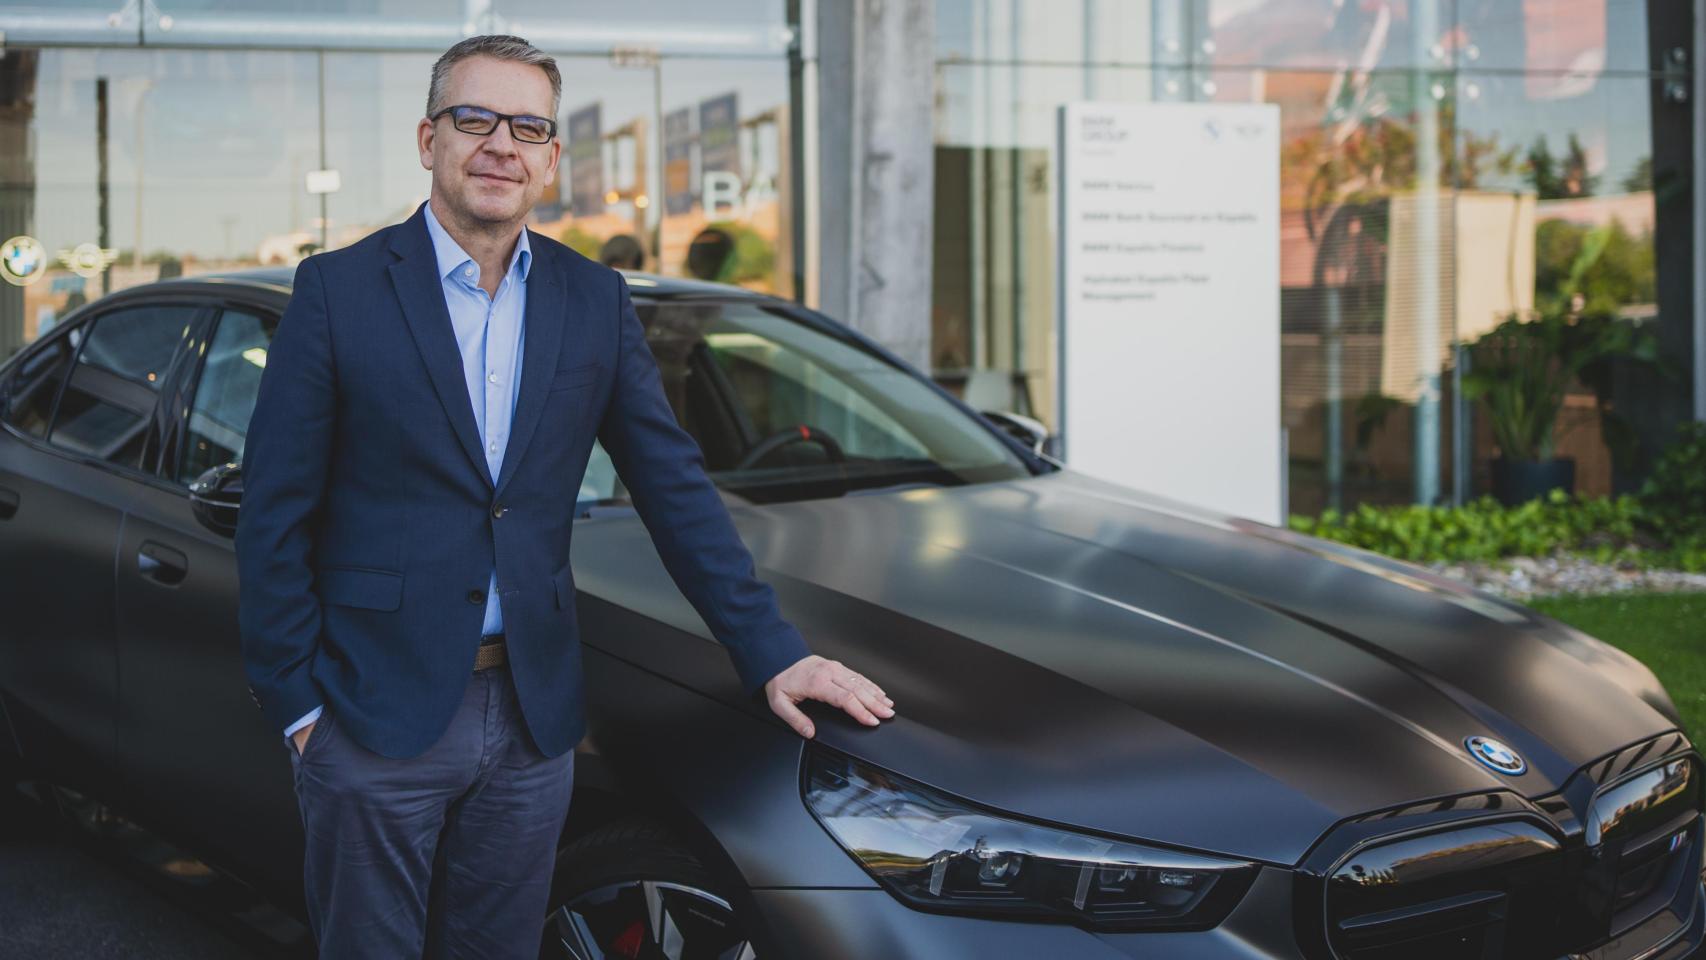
196,753
82,427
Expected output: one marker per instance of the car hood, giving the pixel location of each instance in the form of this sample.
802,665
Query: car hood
1076,652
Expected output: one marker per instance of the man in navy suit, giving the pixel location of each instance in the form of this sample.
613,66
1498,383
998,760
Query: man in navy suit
429,404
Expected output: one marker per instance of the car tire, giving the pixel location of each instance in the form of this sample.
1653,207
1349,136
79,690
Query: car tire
630,889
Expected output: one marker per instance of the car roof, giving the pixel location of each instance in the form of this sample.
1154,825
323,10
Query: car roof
643,286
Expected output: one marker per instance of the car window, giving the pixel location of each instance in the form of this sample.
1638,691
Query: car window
776,385
599,483
225,394
782,410
29,393
108,404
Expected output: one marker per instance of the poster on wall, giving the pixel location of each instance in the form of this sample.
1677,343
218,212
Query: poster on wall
678,162
1168,321
586,162
719,135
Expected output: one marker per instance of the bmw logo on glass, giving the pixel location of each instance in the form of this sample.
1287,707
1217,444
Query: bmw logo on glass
22,259
1496,755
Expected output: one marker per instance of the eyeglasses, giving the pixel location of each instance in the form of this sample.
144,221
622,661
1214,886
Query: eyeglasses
479,121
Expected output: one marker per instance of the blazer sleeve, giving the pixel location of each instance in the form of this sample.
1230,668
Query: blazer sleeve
286,458
664,471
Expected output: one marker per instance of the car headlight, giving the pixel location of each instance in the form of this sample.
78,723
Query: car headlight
938,852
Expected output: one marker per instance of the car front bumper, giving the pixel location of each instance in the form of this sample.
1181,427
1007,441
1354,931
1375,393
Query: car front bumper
846,924
850,924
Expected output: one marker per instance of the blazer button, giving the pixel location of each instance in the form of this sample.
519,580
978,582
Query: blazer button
498,510
476,596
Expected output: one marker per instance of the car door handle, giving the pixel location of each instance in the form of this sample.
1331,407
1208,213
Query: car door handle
8,503
161,563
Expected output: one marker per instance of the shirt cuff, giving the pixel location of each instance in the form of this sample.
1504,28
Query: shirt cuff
304,721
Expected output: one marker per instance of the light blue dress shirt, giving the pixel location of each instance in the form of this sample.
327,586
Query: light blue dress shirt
489,333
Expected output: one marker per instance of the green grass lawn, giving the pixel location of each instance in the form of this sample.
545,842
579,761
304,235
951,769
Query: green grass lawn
1666,631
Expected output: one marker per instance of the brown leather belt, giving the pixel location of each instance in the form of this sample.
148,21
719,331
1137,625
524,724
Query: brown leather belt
492,652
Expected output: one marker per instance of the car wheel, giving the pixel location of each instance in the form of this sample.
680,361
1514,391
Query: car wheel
631,890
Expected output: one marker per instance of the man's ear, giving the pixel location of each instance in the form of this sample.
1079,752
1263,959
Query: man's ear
556,155
424,134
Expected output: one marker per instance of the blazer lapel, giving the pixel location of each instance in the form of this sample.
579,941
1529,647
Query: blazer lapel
420,290
544,319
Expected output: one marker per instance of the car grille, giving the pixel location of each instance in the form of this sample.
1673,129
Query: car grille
1608,868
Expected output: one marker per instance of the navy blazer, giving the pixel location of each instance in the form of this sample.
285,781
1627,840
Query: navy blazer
370,524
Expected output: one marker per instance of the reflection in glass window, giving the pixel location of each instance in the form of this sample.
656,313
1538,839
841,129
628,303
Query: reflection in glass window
782,411
691,27
28,395
1083,31
1548,38
372,24
604,186
68,21
600,483
225,396
993,271
1370,35
781,389
110,398
726,215
201,170
370,142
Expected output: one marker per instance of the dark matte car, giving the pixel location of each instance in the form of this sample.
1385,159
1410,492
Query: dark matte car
1126,727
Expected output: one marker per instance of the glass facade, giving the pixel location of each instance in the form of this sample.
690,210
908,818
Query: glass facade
1443,165
196,136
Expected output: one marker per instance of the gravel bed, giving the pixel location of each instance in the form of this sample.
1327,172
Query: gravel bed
1523,578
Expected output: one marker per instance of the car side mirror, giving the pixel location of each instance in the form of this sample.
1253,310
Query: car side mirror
215,497
1027,431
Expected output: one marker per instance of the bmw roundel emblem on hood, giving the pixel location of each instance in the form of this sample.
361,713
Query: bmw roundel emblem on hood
1496,756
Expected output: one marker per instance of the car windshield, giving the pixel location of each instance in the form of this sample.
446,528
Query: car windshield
784,411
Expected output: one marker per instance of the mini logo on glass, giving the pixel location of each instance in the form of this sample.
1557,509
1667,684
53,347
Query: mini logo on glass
1496,755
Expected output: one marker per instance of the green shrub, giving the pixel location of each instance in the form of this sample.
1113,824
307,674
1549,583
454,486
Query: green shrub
753,257
580,241
1608,529
1687,553
1663,527
1675,495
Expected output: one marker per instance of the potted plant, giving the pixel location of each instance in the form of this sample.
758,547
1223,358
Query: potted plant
1521,370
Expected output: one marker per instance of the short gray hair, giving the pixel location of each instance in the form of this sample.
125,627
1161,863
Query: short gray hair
502,47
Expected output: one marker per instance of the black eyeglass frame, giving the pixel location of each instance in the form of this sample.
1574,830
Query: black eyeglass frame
510,118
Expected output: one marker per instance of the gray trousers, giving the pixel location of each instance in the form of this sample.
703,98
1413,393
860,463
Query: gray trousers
447,854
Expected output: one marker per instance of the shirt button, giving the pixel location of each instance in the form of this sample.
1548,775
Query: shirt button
468,271
493,448
476,596
491,378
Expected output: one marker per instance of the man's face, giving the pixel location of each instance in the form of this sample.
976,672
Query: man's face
496,178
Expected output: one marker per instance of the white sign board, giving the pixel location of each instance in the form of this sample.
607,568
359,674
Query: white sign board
325,181
1168,333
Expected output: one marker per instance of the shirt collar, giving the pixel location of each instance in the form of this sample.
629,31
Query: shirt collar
451,256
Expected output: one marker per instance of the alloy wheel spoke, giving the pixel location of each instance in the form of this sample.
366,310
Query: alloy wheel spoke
572,924
577,940
665,933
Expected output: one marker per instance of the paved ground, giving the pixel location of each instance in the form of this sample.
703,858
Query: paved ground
64,897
